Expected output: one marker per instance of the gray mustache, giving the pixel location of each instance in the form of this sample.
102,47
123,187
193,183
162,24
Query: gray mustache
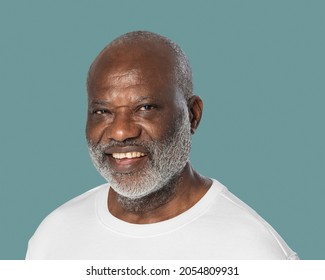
125,143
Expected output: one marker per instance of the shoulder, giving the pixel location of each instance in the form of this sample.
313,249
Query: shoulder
68,218
247,229
79,203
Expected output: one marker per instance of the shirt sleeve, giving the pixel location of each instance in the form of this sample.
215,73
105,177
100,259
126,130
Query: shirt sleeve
28,253
293,256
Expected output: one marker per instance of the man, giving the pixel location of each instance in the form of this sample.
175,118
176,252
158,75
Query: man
141,114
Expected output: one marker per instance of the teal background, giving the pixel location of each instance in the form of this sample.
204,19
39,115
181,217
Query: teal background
258,65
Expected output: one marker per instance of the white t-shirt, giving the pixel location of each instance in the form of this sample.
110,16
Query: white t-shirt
219,226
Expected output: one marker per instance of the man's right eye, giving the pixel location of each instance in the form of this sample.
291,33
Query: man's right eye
100,112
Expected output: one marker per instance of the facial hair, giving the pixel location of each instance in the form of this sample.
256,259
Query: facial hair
166,160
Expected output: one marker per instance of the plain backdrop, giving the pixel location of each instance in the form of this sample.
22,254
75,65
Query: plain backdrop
258,65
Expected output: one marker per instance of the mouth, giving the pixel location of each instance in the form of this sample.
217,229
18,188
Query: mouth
128,155
127,162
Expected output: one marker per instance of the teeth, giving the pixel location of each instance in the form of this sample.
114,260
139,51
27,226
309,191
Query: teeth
127,155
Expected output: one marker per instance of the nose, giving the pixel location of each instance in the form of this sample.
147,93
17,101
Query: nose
123,127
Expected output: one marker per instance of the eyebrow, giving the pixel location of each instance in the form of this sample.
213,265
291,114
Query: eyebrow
104,102
99,102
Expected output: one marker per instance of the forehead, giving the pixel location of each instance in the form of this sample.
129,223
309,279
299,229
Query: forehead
146,65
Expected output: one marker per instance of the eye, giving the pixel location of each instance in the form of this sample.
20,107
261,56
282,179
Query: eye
146,107
99,112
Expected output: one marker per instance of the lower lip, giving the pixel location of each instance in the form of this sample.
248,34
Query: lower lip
127,165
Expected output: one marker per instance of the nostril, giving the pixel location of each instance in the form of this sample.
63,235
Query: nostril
121,131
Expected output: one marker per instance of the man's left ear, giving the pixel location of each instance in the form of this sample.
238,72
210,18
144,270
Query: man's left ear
195,106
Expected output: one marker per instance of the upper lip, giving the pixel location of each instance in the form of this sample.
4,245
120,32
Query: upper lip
126,149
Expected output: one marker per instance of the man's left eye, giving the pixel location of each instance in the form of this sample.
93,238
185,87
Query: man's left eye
146,107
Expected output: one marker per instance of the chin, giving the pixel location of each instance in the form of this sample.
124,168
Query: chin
131,188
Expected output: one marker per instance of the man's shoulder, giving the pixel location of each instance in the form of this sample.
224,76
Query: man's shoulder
81,200
81,206
64,224
247,227
230,205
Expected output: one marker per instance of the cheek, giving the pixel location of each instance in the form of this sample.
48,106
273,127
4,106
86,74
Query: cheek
94,132
161,129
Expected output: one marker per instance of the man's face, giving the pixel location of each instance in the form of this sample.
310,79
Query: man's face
138,127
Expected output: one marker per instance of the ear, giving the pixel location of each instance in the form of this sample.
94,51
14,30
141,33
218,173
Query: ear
195,106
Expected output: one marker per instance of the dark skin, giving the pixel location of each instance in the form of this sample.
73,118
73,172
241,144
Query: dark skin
132,95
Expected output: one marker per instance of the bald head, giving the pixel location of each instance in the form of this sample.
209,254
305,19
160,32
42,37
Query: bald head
157,54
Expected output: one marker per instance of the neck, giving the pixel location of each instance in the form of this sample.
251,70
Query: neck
181,193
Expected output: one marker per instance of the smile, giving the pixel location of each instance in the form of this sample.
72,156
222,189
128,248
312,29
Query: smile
128,161
127,155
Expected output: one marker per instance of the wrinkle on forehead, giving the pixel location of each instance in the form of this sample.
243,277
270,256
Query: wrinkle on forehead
116,79
130,77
